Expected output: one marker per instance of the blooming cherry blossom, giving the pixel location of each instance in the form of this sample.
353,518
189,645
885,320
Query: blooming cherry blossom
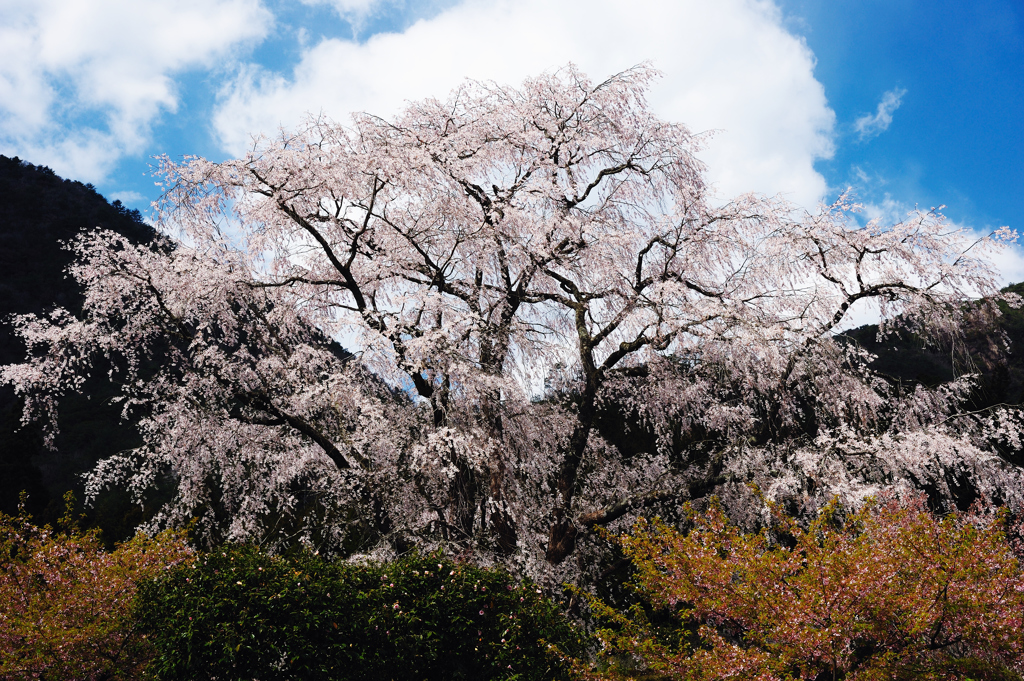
468,252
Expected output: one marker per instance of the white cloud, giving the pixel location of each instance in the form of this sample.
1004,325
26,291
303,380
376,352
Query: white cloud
127,197
82,80
888,211
1010,263
870,125
729,65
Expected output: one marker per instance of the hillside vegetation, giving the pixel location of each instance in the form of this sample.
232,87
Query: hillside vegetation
40,213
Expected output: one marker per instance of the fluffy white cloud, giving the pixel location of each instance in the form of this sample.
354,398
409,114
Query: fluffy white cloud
127,197
872,125
81,80
728,65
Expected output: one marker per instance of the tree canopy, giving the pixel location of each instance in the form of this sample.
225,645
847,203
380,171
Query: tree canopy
506,266
888,591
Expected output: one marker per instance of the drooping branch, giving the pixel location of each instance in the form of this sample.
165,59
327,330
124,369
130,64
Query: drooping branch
616,510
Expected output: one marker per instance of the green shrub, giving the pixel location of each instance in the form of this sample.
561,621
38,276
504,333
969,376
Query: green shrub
240,614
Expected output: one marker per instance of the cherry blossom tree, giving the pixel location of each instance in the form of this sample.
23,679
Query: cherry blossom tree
469,253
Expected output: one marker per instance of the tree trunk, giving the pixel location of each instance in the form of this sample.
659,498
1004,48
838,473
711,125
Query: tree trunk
562,538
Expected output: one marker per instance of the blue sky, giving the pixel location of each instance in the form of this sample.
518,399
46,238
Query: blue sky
958,135
911,103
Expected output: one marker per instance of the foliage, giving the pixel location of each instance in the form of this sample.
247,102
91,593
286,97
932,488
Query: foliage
241,614
39,214
889,591
472,250
67,602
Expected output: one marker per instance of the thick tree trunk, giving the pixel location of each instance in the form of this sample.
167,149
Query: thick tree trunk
562,537
500,523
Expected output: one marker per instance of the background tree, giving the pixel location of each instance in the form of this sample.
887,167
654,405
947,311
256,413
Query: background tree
68,603
470,251
888,591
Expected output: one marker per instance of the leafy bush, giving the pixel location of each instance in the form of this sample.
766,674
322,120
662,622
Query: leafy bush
891,591
66,603
241,614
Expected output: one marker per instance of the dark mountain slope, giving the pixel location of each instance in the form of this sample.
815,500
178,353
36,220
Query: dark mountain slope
39,211
992,347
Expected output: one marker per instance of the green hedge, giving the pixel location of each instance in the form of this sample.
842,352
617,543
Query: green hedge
240,614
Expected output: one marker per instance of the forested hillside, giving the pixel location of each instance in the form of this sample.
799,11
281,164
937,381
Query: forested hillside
996,353
39,212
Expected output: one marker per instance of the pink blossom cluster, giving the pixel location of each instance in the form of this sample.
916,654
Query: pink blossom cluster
503,265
